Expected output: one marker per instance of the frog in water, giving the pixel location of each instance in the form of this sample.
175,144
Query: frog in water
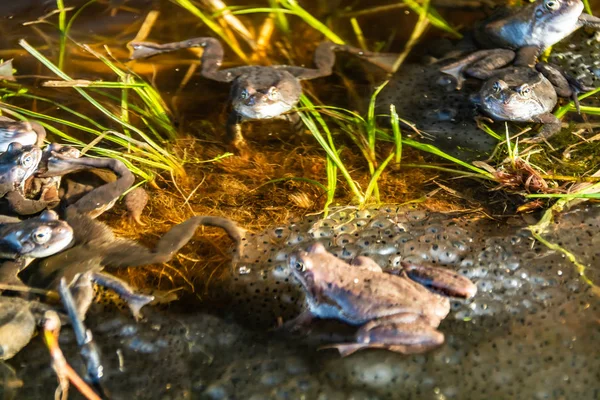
257,92
521,93
393,312
30,180
528,31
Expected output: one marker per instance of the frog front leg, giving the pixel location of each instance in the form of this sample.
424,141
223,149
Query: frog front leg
551,126
405,333
9,271
564,84
480,64
234,138
589,21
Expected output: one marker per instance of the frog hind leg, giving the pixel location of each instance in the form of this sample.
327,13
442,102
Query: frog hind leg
125,253
404,333
103,197
212,56
23,206
135,301
441,280
324,59
480,64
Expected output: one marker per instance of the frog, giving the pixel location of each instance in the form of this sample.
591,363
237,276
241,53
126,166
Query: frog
257,92
32,180
26,133
95,247
392,312
527,31
521,93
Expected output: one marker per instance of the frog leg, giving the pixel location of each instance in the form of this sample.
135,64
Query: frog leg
18,326
589,21
125,253
324,59
527,56
9,271
441,280
212,56
23,206
234,138
40,131
405,333
556,77
88,349
134,300
564,84
135,202
480,64
104,196
551,127
366,263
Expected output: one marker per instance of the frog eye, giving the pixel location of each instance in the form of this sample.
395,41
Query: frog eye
552,5
27,160
42,234
300,266
273,93
524,90
244,95
497,87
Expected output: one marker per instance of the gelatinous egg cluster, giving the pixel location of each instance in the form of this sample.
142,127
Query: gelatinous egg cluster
531,331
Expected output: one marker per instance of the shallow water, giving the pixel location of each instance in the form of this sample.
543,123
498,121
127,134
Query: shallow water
531,331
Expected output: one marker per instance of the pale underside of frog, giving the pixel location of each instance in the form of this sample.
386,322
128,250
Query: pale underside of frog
257,92
41,251
394,312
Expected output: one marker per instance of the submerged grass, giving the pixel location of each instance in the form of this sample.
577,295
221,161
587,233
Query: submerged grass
146,152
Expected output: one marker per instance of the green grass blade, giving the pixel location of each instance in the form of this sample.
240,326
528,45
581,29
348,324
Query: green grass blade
395,122
293,6
188,5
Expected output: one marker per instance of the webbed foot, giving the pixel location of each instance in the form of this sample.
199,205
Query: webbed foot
134,300
135,201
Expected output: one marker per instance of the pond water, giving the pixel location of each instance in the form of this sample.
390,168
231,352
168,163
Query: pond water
530,332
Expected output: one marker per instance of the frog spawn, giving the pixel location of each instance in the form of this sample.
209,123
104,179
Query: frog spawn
527,333
425,97
580,57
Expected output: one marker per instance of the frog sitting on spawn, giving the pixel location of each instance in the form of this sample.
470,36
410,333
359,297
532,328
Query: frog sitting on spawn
397,313
257,92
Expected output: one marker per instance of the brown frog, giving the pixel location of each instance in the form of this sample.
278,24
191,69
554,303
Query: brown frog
393,312
257,92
